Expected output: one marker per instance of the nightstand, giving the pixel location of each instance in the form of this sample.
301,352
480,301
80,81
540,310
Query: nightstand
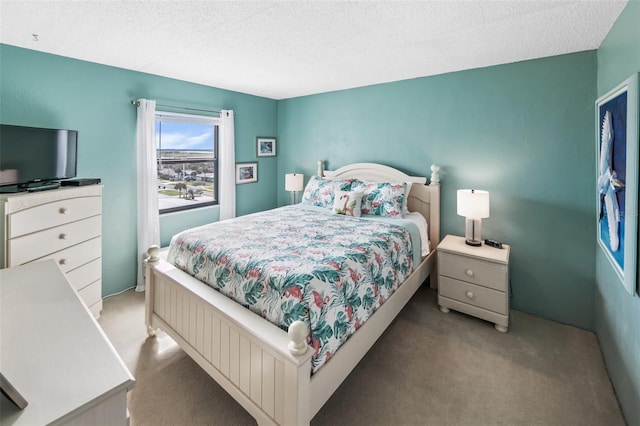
474,280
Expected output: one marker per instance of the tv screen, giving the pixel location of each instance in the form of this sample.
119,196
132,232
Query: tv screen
31,155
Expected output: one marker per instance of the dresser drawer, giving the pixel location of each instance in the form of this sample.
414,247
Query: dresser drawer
85,275
475,295
52,214
75,256
91,295
96,308
34,246
487,274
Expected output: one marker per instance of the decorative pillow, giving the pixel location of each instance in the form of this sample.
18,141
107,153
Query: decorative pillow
347,203
381,198
320,192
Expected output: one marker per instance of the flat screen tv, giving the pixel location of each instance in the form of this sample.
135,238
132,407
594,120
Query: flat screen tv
32,157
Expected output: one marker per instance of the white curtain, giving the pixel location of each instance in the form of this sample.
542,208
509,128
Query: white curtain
148,216
227,162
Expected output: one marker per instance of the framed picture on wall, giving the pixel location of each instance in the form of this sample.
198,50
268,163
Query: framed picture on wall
266,147
617,178
246,173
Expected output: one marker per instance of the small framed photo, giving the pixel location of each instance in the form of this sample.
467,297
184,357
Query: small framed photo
266,147
246,173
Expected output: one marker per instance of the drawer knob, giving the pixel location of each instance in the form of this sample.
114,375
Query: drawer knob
63,210
469,272
470,295
62,236
62,261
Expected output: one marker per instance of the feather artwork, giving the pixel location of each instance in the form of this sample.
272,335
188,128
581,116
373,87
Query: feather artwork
608,183
606,140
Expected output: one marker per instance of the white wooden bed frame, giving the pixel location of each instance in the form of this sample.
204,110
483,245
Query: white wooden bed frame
265,369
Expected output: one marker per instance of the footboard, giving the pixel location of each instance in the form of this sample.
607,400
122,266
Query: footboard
262,367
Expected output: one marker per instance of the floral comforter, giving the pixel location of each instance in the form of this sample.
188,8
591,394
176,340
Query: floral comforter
330,271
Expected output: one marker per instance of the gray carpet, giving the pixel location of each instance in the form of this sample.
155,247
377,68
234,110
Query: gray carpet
429,368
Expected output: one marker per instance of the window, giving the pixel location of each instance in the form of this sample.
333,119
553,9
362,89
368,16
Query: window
187,153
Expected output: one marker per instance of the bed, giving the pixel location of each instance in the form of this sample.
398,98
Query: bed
266,369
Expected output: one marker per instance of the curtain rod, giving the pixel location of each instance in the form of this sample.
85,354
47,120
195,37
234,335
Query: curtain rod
137,103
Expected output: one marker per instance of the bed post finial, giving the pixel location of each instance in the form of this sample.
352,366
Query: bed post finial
320,171
435,175
154,254
298,333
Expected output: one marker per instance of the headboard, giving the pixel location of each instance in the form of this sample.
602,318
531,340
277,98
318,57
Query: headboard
424,199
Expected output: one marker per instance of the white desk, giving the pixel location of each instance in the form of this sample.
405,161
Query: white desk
55,354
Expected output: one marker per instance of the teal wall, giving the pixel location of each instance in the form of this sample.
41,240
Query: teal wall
617,314
43,90
522,131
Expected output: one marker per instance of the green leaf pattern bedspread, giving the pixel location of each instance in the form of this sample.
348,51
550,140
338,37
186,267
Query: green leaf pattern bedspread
290,263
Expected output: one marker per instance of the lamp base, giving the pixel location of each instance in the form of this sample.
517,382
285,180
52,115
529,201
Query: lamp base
473,231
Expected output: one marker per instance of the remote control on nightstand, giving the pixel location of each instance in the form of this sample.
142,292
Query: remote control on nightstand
493,243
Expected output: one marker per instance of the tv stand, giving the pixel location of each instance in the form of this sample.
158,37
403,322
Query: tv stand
64,224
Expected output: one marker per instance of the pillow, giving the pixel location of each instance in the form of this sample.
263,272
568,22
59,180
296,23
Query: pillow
421,223
347,203
320,192
381,198
407,191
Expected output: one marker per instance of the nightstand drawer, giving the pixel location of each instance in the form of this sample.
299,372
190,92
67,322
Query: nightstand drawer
475,295
486,274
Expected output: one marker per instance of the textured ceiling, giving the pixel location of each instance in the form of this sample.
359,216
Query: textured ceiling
283,49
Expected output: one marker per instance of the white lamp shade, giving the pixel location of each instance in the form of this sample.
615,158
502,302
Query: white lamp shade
473,203
293,182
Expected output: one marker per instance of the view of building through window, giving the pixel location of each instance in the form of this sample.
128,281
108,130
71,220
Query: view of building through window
187,161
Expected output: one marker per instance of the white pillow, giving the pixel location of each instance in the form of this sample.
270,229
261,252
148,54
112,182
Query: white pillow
347,203
421,222
407,190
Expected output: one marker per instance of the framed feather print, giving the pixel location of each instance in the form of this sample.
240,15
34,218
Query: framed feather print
617,179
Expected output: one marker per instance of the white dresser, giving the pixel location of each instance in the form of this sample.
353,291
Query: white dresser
55,355
474,280
62,224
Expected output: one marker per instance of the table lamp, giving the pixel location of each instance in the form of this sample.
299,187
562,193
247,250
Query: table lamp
474,206
293,182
